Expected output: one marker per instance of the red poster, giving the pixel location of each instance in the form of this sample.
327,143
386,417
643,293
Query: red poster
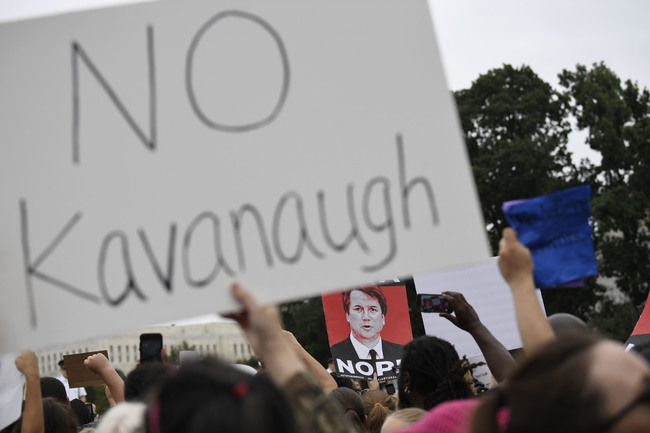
641,332
367,328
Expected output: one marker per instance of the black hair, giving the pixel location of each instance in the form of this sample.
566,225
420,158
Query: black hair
141,380
53,387
81,411
58,417
208,395
436,370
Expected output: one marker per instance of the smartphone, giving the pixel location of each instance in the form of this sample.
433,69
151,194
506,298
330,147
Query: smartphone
433,303
89,406
151,347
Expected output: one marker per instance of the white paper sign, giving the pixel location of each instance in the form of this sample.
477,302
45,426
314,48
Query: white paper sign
484,289
12,382
153,153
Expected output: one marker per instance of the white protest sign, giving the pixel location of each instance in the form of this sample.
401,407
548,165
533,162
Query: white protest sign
153,153
487,292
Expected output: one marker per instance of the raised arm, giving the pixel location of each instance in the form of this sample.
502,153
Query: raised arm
314,412
325,379
98,363
32,420
496,355
516,266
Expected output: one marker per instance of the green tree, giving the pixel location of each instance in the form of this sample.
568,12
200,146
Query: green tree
617,120
516,129
306,320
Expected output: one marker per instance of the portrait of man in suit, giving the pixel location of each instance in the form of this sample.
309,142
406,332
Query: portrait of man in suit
365,311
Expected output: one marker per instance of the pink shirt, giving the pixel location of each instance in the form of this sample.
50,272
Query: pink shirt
453,417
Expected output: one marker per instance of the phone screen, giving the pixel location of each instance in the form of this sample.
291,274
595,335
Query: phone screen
433,304
150,347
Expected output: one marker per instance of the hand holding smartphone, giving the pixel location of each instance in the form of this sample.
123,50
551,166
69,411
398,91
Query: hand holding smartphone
151,347
433,303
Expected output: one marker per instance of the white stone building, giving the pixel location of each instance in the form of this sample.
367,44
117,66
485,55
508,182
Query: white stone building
225,340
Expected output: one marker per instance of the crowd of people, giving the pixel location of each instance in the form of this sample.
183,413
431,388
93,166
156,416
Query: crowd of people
568,379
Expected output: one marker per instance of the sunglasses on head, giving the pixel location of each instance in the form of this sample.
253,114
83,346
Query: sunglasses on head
642,398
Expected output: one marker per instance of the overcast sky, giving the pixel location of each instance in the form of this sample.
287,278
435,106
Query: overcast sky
478,35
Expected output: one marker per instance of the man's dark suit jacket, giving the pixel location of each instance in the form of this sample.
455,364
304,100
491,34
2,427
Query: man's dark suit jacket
345,350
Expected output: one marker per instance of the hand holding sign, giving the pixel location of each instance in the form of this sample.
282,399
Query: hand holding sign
261,324
515,260
556,229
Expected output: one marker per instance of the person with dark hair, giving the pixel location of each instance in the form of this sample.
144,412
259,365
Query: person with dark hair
209,394
352,405
431,372
365,310
581,383
72,393
141,380
54,388
377,405
59,418
81,412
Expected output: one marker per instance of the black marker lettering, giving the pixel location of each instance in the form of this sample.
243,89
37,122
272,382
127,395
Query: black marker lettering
189,77
219,261
387,224
236,218
167,279
78,52
31,268
304,239
354,226
131,285
405,187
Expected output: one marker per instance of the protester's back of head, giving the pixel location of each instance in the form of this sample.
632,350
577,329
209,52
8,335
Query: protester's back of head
377,405
435,371
565,323
141,380
558,389
352,405
53,388
402,418
208,395
81,411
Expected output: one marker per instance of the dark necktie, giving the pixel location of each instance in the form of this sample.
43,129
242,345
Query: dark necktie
373,355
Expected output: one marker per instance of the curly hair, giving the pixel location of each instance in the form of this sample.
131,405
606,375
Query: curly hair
436,370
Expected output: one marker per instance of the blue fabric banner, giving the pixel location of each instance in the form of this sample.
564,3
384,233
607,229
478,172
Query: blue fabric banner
556,229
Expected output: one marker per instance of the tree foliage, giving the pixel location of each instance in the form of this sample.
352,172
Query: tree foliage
516,127
516,130
617,120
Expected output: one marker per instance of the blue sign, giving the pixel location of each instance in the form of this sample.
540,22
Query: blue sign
555,227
